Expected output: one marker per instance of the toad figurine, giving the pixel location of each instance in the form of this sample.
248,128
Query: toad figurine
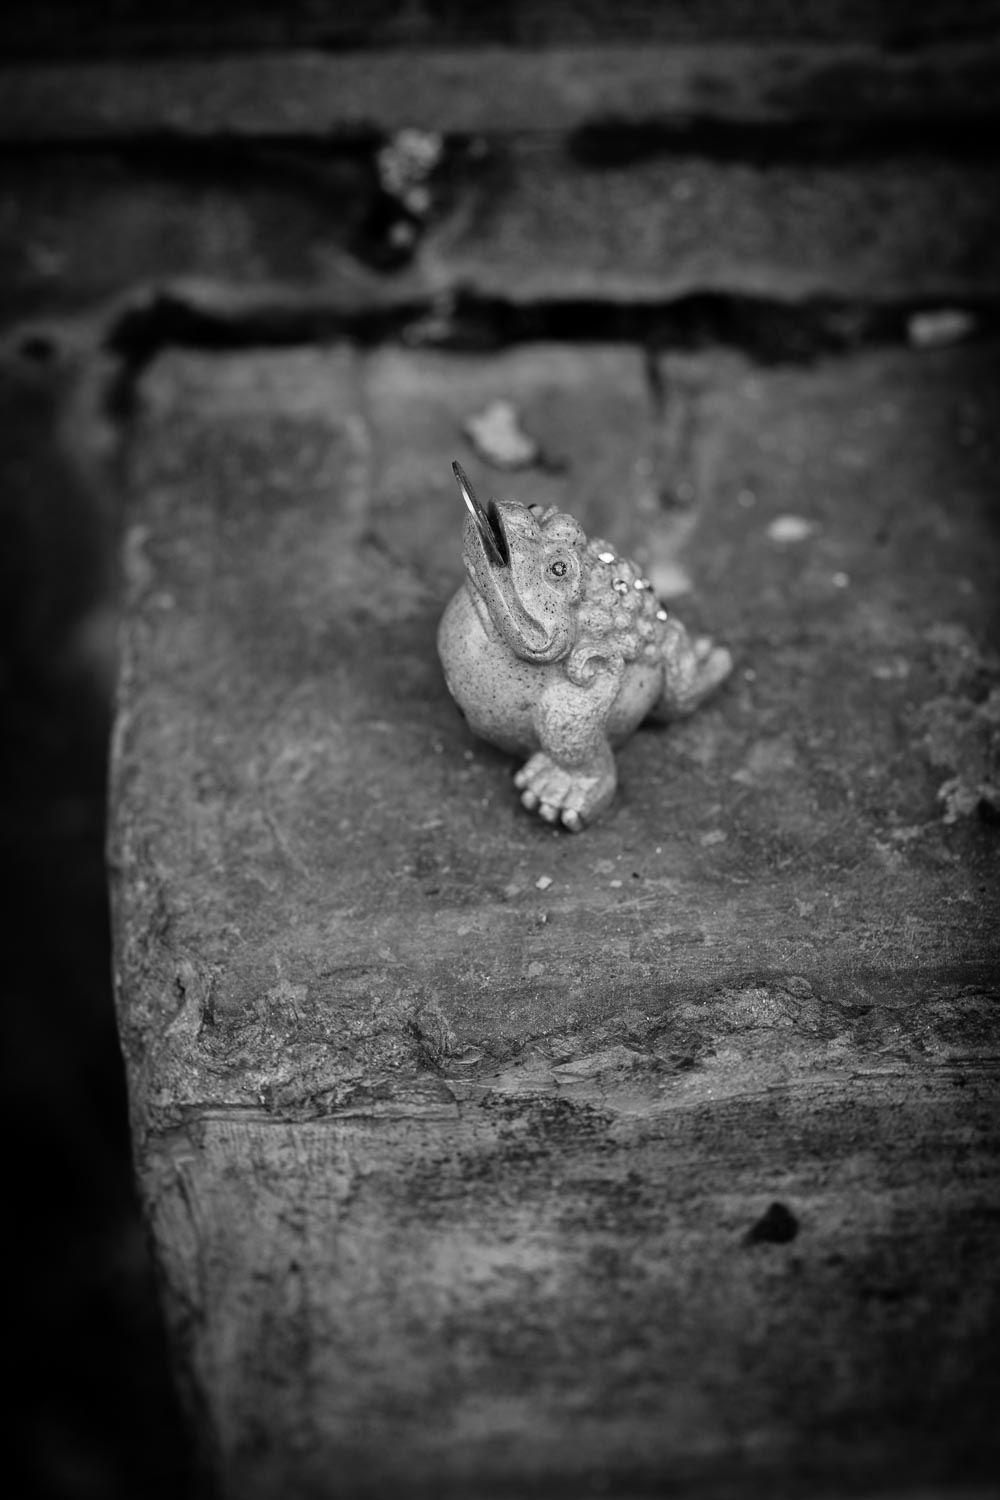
557,649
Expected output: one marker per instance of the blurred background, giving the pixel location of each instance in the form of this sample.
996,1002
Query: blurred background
142,205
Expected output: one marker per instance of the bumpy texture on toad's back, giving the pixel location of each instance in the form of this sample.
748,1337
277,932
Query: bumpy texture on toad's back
557,648
619,615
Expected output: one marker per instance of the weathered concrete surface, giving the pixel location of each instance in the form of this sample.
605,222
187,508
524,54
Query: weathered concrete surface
537,224
80,228
454,1130
282,95
788,170
523,222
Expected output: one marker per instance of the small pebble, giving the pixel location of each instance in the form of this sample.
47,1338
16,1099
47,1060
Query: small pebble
543,882
790,529
942,325
498,437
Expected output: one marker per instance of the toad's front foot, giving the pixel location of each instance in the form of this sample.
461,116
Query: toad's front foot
571,795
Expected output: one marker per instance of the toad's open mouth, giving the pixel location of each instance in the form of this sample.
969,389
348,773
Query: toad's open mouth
500,560
488,522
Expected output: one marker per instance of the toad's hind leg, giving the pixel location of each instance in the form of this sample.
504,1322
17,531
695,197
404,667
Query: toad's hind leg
693,667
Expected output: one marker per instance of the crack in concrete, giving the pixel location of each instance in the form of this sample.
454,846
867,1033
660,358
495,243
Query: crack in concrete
769,330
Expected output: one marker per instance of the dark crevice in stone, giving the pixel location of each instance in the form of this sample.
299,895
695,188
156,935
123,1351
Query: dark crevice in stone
821,139
308,157
655,383
766,329
168,319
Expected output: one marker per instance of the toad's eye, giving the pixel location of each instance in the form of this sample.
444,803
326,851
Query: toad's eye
558,568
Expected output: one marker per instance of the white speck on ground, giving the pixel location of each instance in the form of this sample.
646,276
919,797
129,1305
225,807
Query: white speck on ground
943,325
893,669
790,529
543,882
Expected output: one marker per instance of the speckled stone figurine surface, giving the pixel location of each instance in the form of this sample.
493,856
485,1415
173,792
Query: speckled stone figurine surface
556,648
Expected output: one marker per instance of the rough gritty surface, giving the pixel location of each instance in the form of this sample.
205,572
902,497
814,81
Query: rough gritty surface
476,1162
284,221
460,1136
561,87
673,225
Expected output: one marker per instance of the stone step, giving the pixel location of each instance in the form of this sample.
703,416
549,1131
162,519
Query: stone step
46,28
456,1132
789,170
525,224
538,224
315,95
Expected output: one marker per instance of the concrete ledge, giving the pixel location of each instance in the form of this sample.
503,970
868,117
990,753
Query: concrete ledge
278,249
535,225
490,90
459,1136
